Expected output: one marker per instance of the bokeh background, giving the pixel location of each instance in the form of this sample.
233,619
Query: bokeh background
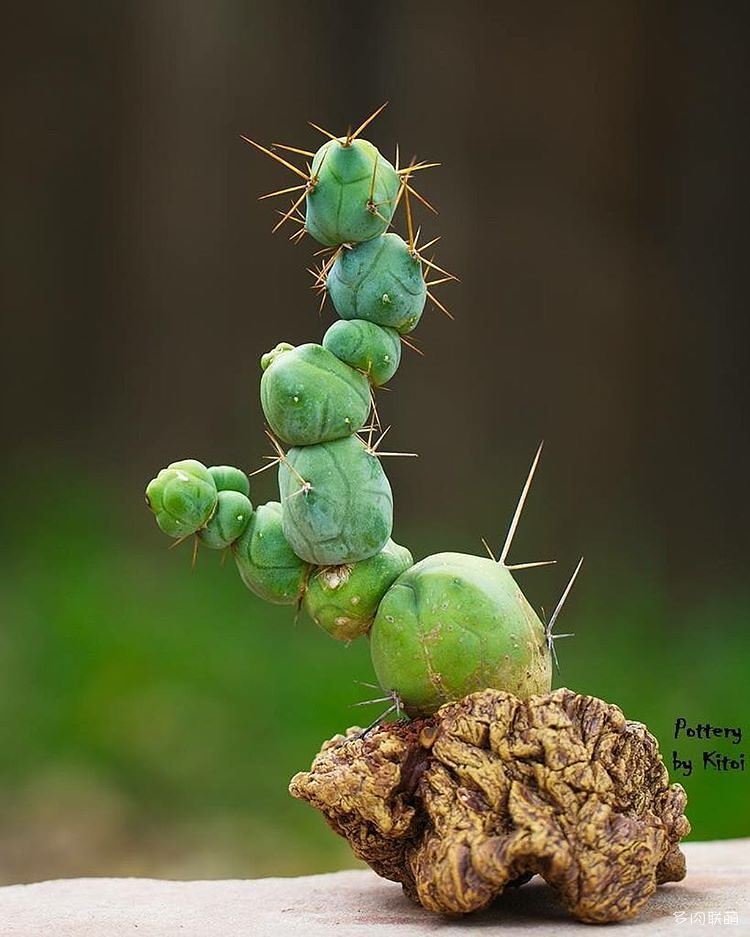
593,199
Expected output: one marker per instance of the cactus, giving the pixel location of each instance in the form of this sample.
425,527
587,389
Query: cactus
231,517
183,497
371,349
343,600
381,281
337,505
309,396
354,194
453,623
266,563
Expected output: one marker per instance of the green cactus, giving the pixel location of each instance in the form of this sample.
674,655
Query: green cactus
183,497
336,501
370,348
343,600
231,517
381,281
352,195
266,563
309,396
453,624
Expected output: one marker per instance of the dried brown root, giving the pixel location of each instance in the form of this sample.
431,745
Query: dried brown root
490,789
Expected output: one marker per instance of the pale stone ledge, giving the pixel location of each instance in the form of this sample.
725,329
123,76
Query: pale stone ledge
358,903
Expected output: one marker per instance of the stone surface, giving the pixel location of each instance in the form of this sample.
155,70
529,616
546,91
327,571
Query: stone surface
354,902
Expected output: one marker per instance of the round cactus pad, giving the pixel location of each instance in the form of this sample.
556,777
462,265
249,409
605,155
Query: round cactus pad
454,624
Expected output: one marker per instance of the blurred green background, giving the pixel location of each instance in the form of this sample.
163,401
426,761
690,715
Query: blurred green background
593,201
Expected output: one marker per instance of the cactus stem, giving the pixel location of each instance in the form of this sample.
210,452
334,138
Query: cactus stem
279,159
519,507
351,137
292,149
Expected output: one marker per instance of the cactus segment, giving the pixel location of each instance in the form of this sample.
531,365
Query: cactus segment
309,396
343,600
229,478
381,281
370,348
266,563
231,517
453,624
352,194
183,498
337,504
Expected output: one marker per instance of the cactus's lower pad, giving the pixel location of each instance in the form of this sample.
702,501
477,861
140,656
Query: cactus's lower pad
492,789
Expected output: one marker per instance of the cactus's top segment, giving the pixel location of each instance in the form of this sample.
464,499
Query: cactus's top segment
353,193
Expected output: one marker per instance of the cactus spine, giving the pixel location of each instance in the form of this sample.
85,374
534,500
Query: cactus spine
451,624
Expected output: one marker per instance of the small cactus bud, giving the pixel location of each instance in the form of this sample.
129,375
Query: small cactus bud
343,599
337,505
381,281
231,517
370,348
352,195
269,357
454,624
229,478
183,498
266,563
309,396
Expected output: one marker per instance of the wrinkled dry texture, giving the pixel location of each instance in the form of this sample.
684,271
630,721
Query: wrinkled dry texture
492,788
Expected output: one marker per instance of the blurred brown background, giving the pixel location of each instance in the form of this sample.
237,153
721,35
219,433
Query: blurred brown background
593,200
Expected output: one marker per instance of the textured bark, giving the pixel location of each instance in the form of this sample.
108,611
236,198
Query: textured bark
493,789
